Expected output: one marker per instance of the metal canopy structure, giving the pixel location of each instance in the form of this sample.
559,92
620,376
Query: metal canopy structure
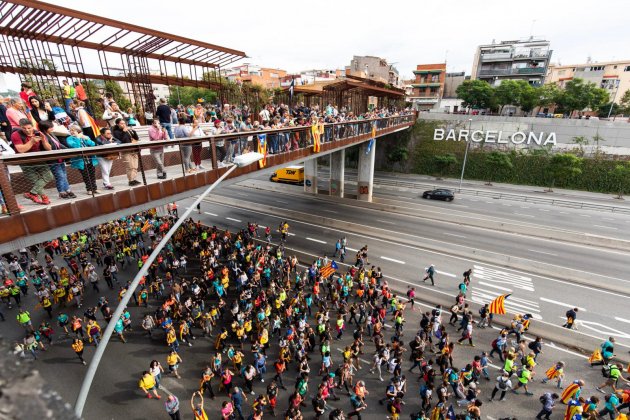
49,42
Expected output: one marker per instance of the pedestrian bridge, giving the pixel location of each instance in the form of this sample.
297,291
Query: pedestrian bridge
28,223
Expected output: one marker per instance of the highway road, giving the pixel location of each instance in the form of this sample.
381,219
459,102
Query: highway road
595,222
115,394
546,298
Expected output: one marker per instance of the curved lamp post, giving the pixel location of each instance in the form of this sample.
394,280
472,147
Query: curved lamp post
239,161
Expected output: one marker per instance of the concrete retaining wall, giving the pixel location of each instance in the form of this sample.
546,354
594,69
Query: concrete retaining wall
616,135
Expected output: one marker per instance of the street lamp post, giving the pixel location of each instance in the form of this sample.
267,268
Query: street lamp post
612,103
239,161
461,178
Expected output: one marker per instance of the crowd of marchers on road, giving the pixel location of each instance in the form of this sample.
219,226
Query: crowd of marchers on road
264,317
31,123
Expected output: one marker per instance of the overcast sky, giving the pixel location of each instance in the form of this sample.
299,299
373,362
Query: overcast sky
326,33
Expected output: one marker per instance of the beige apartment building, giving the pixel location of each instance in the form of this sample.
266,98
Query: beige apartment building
611,75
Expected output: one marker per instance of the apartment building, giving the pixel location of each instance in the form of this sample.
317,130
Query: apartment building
516,60
428,85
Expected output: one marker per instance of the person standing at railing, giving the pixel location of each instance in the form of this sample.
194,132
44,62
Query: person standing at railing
230,128
57,167
25,140
106,161
196,131
219,144
85,164
128,135
157,133
182,131
163,114
15,112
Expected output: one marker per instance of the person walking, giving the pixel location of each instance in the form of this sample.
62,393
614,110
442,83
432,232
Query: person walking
148,385
502,385
571,317
171,405
429,273
77,346
548,401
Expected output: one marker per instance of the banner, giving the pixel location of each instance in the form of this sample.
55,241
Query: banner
262,149
316,138
497,306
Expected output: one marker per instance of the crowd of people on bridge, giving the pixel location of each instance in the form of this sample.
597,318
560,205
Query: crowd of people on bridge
31,123
265,319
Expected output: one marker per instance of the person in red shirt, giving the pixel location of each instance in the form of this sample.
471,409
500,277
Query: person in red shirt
26,139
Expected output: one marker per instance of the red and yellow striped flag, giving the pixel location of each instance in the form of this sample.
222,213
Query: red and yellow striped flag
146,226
328,270
497,306
569,393
316,135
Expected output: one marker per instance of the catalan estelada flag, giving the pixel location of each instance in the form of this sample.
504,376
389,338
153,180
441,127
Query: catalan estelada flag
569,393
374,130
262,149
329,270
146,226
497,306
316,137
573,407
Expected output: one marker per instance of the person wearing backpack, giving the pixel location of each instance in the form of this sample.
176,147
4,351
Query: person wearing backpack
612,373
503,384
607,350
611,407
548,401
524,375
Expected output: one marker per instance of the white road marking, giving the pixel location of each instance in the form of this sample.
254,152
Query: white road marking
282,201
351,249
605,227
232,219
584,215
446,274
392,260
563,212
458,205
330,211
291,234
543,210
241,194
454,234
543,252
210,214
507,205
525,215
505,289
566,305
315,240
607,218
622,320
524,207
385,221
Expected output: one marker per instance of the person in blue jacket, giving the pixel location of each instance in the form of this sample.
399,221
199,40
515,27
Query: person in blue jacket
84,164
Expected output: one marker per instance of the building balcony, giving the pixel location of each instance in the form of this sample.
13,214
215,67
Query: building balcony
427,84
515,56
424,99
430,71
513,72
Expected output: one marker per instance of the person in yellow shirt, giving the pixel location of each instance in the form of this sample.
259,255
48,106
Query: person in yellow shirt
147,384
173,360
77,346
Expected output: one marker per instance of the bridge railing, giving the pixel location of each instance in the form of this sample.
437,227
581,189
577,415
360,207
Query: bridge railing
21,171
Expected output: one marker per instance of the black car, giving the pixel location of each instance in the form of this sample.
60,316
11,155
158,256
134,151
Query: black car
439,194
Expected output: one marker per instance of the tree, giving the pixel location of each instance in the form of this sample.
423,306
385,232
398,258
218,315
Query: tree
117,92
497,162
581,141
563,167
548,95
190,95
444,162
529,97
507,93
476,94
579,95
621,175
625,102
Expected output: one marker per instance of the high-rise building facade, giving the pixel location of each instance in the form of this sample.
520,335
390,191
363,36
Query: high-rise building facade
512,60
428,85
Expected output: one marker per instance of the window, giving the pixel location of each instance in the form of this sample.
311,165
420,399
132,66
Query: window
627,68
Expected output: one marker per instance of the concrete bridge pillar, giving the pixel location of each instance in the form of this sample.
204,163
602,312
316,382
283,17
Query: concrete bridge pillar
365,178
310,176
337,173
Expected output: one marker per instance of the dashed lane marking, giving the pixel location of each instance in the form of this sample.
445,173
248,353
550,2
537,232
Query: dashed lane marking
566,305
232,219
210,214
392,260
315,240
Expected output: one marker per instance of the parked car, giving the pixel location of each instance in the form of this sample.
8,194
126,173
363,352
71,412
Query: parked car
439,194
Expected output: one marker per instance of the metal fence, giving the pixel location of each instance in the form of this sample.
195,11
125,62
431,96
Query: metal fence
65,174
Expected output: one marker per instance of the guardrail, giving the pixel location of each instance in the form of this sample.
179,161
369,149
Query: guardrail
17,171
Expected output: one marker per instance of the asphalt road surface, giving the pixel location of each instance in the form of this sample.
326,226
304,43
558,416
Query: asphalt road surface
115,394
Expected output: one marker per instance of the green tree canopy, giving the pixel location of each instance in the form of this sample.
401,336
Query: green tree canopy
578,95
499,162
563,167
625,102
476,94
621,175
444,162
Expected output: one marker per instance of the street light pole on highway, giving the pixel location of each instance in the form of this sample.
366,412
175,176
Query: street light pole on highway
461,178
239,161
